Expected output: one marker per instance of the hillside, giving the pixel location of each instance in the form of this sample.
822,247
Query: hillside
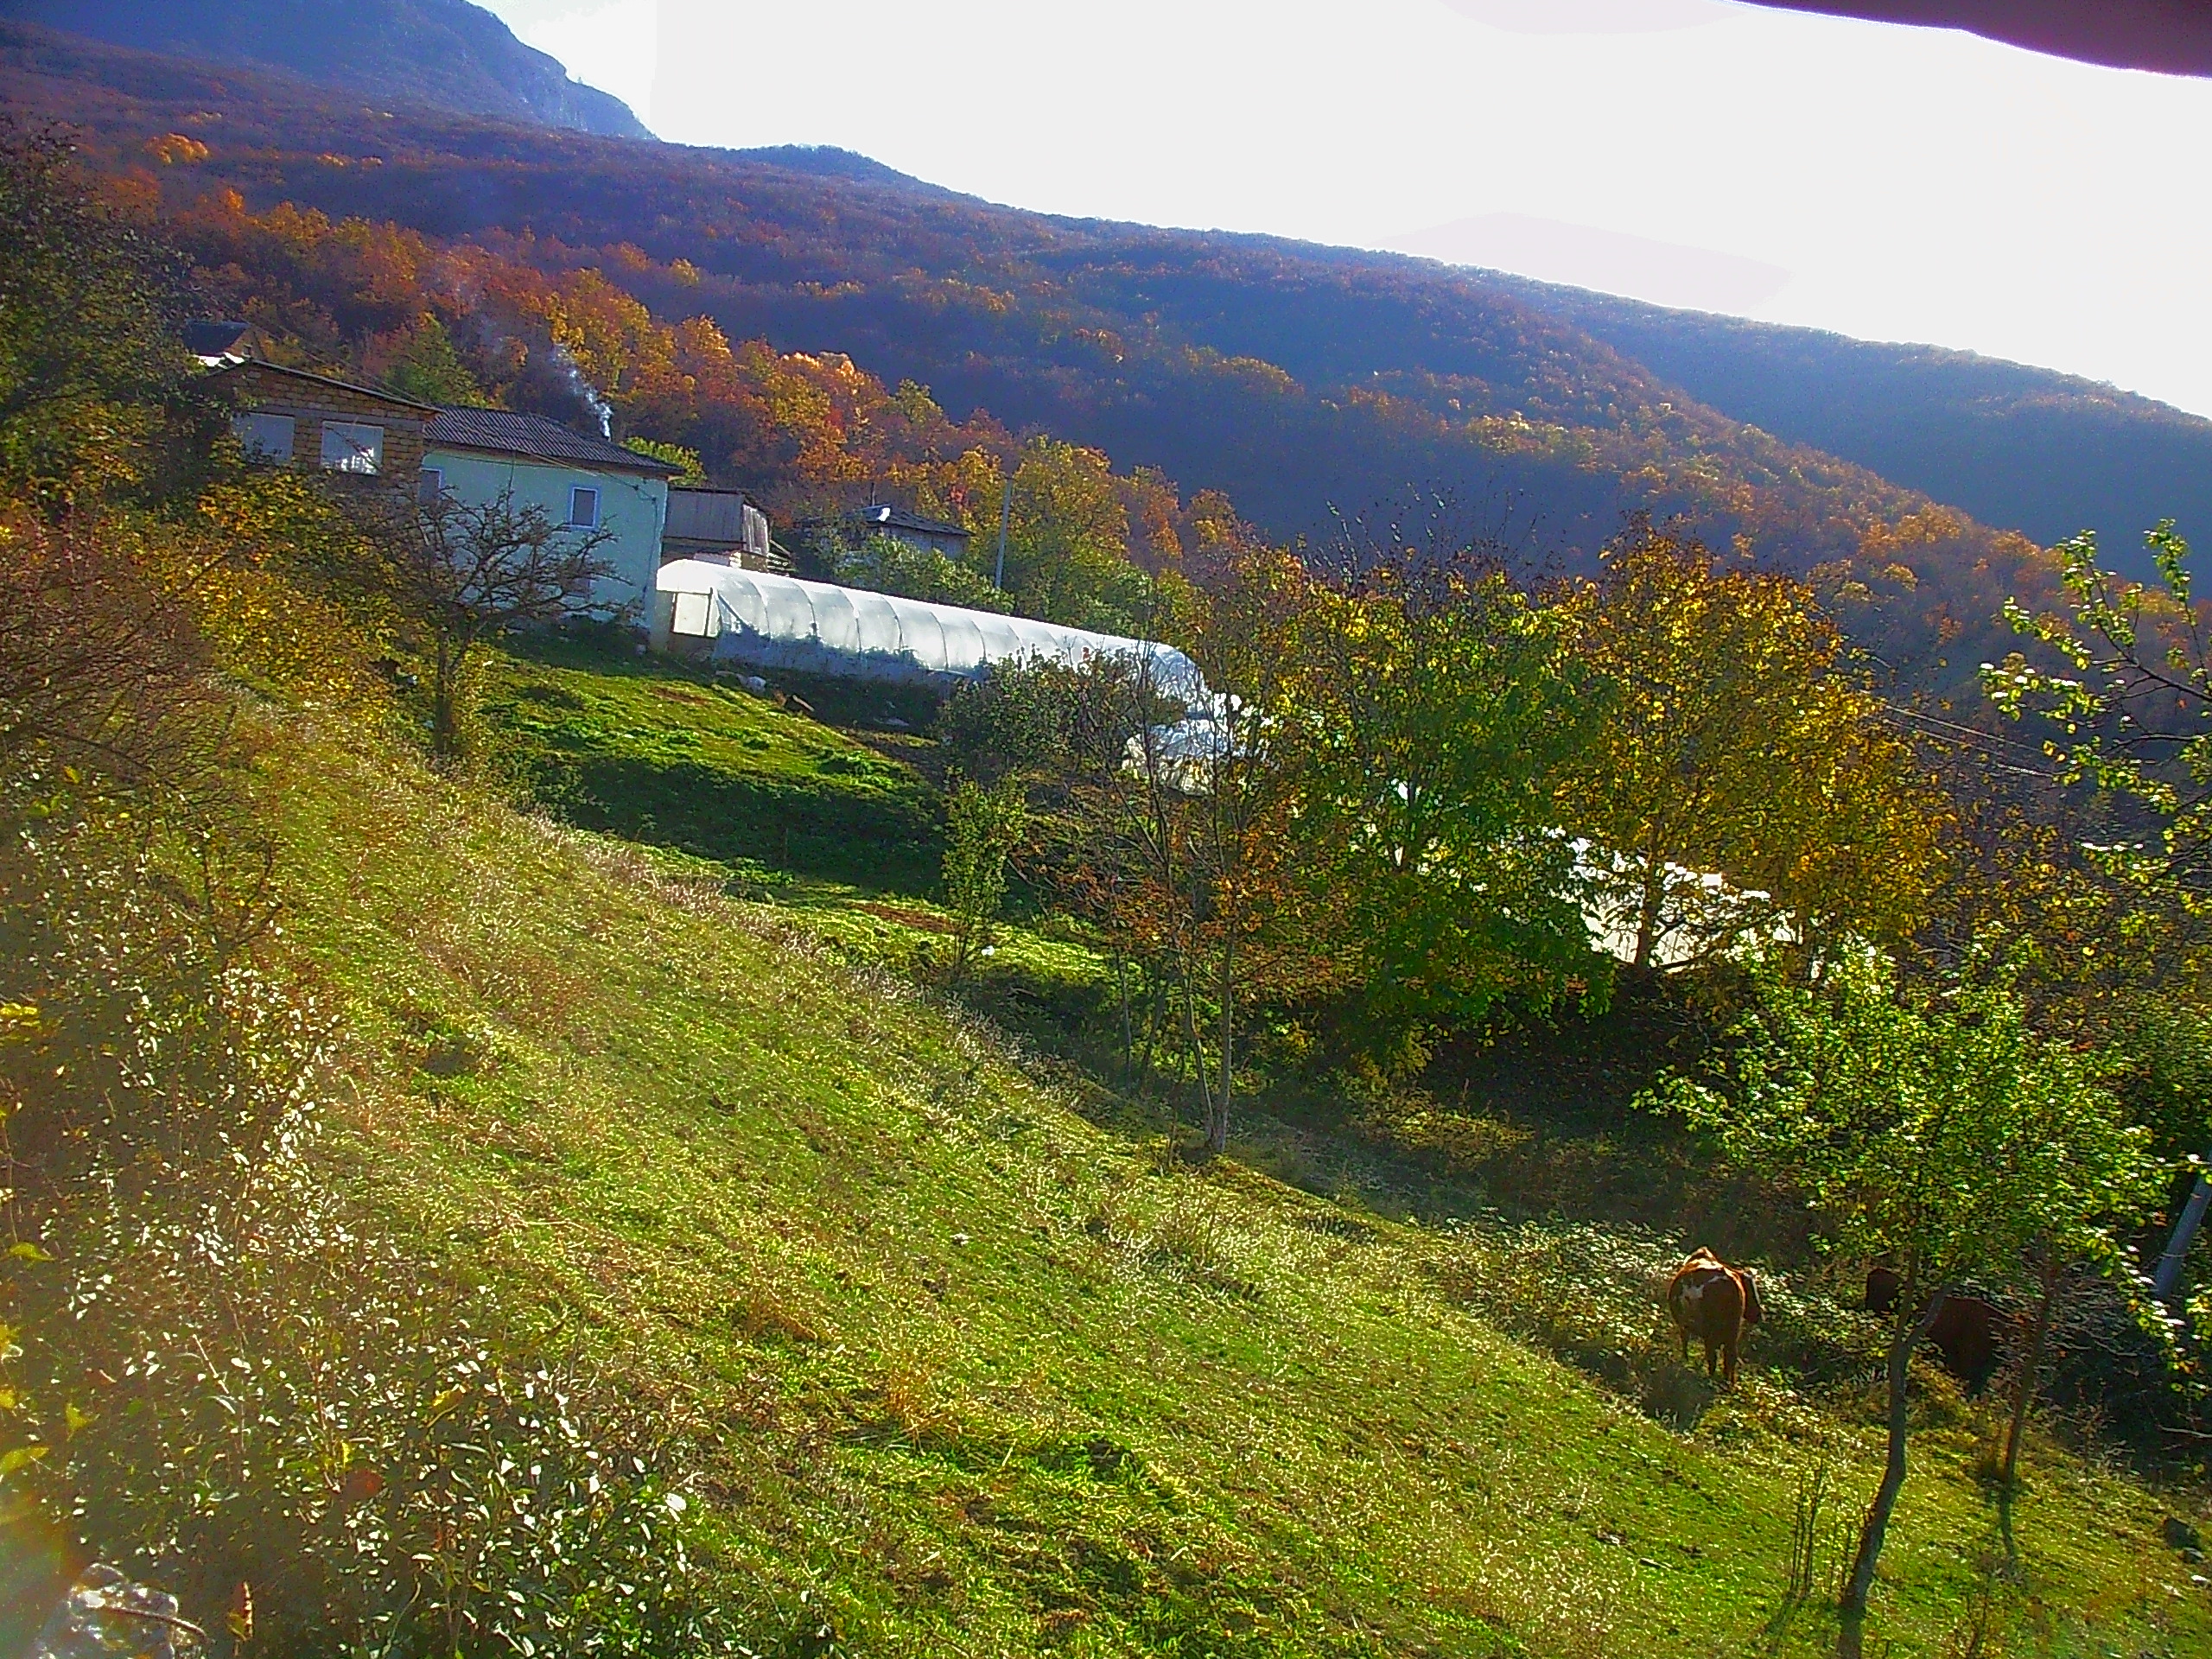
1304,381
937,1353
520,1145
1310,384
445,55
2045,454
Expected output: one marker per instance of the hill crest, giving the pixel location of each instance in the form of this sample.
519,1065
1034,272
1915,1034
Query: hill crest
442,53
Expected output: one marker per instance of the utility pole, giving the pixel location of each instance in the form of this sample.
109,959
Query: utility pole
2167,1280
1006,512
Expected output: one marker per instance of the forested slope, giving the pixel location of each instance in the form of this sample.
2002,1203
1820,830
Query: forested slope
1308,383
2045,454
1305,382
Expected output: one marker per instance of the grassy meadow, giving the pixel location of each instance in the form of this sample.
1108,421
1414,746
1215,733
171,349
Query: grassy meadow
950,1350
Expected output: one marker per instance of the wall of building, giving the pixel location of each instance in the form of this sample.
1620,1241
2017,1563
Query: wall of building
307,403
633,509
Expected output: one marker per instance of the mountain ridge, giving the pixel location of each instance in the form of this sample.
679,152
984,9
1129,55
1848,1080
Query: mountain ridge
1317,387
443,53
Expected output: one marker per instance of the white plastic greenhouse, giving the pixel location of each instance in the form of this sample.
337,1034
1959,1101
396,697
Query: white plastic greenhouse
815,627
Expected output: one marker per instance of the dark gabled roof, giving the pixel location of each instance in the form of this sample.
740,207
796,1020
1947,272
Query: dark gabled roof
207,337
254,366
532,437
883,518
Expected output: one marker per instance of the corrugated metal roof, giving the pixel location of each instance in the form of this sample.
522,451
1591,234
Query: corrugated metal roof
532,437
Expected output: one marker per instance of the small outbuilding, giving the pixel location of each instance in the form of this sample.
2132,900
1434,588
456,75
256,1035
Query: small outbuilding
705,521
928,535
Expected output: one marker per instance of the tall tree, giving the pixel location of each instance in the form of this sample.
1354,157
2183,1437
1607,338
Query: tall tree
89,354
1181,828
2131,715
1430,710
1934,1128
1738,744
1068,541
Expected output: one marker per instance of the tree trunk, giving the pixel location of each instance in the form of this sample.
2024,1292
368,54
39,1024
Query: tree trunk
1157,997
1129,1042
1198,1047
1217,1130
445,721
1906,1337
1648,908
2031,1372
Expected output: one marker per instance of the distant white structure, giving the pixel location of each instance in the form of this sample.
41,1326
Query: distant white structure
765,620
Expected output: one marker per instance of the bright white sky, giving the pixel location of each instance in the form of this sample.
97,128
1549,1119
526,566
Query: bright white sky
1890,183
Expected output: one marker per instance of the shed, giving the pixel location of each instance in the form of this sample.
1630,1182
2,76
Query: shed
702,519
930,535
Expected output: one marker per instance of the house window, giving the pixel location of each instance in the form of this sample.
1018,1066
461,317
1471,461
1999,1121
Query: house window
351,446
432,485
584,508
265,437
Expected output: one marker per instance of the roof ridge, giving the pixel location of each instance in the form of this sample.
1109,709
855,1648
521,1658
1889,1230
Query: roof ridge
534,437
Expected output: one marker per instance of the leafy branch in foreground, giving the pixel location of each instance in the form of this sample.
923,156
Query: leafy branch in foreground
2134,718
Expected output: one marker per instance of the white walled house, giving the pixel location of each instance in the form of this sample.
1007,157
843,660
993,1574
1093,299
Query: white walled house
584,483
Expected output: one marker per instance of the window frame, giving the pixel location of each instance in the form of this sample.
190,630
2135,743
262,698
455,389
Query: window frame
358,450
249,425
598,506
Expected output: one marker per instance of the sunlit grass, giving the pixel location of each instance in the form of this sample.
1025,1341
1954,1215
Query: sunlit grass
978,1375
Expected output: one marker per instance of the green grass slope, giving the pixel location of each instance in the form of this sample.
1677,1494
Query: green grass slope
966,1369
697,764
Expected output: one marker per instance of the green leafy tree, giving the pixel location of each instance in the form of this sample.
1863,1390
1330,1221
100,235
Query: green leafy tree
1930,1128
1430,710
429,368
2132,711
1739,743
2131,715
885,564
1068,541
90,361
984,824
693,471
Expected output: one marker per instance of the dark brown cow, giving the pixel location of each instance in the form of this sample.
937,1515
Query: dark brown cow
1714,1302
1969,1334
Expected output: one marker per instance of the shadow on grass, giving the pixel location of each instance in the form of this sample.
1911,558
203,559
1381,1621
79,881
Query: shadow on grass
877,844
671,755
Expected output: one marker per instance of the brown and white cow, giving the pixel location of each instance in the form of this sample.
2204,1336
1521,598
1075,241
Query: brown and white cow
1714,1302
